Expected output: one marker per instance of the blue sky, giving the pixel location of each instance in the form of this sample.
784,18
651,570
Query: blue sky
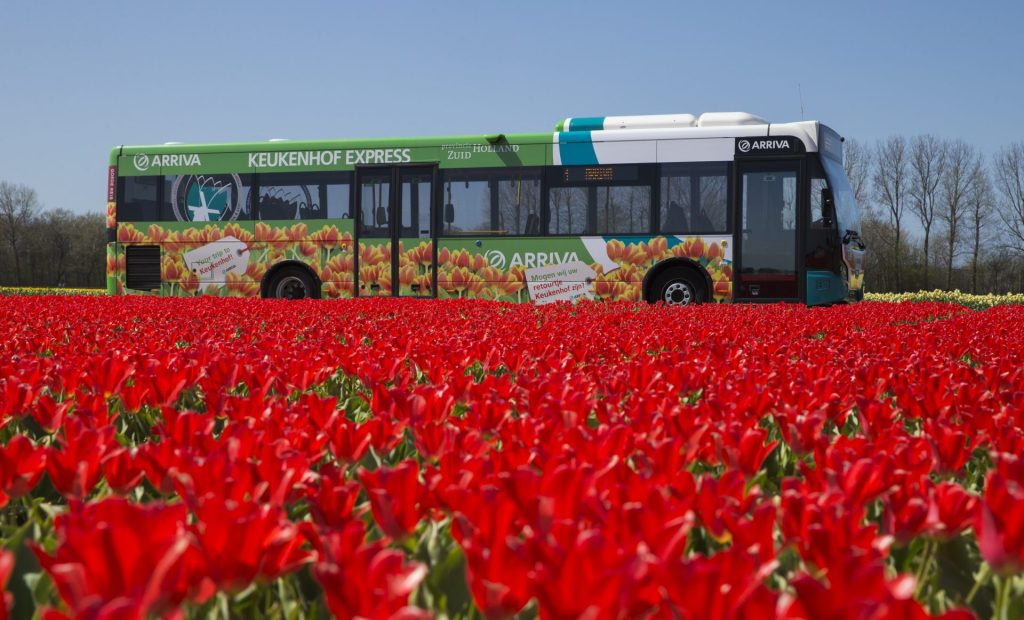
80,78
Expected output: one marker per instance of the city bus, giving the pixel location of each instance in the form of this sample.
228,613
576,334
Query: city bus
679,209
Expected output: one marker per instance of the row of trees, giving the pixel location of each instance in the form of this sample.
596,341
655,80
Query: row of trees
937,213
48,247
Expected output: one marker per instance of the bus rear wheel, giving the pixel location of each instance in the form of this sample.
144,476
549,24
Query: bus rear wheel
291,283
677,287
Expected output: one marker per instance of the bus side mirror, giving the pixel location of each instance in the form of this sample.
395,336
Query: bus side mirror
828,206
381,217
449,213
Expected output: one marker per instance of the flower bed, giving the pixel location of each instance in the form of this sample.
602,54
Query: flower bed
406,458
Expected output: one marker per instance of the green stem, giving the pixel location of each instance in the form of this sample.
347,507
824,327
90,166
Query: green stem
1002,605
983,578
922,570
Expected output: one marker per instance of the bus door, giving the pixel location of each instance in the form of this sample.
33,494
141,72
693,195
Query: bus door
767,266
395,232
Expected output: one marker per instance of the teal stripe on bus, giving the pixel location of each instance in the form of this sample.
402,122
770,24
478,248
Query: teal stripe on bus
575,148
586,123
825,287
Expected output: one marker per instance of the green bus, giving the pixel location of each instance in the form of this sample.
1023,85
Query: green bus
677,208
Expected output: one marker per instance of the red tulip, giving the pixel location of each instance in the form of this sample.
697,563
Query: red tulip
75,467
121,470
245,541
999,520
332,504
366,580
14,400
117,559
21,465
496,570
726,585
952,510
6,568
49,414
396,497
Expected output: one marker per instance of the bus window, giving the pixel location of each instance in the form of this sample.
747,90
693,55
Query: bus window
375,199
338,197
469,193
206,198
303,196
519,203
600,200
622,210
820,235
414,211
817,184
694,198
568,210
138,200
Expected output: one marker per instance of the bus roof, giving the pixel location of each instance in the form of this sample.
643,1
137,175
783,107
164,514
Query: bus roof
572,129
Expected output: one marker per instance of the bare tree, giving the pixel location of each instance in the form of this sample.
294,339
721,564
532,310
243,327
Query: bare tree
927,165
857,162
55,229
1009,180
979,211
18,204
891,179
961,171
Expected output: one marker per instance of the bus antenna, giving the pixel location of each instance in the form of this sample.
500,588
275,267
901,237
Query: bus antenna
800,92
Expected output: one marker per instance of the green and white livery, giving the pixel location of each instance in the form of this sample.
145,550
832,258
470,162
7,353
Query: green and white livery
674,208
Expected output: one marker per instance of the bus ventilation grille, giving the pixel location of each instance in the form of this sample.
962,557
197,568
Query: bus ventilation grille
142,267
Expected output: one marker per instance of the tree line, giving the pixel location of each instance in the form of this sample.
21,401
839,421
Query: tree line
937,213
51,247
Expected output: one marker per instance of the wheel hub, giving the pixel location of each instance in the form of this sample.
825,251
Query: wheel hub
291,287
678,294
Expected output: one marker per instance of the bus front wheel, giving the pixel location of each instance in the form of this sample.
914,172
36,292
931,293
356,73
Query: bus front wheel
678,287
291,283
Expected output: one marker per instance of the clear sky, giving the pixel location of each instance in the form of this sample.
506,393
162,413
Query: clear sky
78,78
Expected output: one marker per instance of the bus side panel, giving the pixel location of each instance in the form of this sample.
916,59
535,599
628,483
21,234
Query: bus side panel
326,246
115,269
210,258
549,269
374,267
230,259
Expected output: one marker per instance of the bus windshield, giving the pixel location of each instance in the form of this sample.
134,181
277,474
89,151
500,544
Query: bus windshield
847,214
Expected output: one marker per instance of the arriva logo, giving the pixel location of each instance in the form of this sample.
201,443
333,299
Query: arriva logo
528,260
495,259
141,162
743,146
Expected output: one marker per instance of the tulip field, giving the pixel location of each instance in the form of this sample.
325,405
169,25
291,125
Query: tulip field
387,458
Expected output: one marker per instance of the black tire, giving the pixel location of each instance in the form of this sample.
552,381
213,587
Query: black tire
292,283
678,287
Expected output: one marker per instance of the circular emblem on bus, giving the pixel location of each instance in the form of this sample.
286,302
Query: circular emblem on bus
141,162
743,146
207,198
495,259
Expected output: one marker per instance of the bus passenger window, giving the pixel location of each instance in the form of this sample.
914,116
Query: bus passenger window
519,204
694,198
623,210
375,203
303,196
568,207
817,217
469,194
138,199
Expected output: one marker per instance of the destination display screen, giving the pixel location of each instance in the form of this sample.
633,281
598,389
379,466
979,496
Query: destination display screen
600,174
